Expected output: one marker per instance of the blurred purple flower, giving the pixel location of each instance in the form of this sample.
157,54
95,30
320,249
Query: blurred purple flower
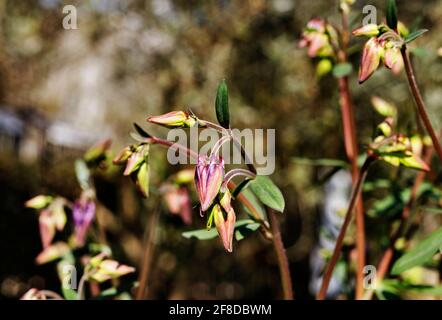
83,213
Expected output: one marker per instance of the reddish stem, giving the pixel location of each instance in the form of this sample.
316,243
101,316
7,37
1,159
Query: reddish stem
281,255
340,240
420,102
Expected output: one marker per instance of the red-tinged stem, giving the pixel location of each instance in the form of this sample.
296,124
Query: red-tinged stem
281,255
340,240
351,148
420,101
173,145
149,247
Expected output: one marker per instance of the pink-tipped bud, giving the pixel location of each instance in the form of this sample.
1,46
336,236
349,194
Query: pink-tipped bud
174,119
226,227
369,30
393,60
209,175
371,57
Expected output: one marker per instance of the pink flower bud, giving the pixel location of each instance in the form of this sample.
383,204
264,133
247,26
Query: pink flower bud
178,201
226,227
371,57
369,30
209,175
174,119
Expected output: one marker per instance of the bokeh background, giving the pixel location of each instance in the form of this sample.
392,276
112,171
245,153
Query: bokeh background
61,91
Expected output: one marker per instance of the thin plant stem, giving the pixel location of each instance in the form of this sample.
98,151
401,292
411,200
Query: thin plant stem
420,101
351,148
340,240
149,247
281,255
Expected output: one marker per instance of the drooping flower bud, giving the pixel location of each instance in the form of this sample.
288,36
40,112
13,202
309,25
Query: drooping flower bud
224,227
174,119
83,214
371,58
209,174
136,159
47,227
369,30
318,37
178,202
102,269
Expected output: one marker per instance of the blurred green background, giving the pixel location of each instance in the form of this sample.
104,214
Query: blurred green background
63,90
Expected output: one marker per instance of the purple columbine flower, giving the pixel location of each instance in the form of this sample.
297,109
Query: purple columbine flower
209,175
83,213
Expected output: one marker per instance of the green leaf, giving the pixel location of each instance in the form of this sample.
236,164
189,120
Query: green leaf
268,193
420,254
240,187
244,227
143,179
342,70
202,234
83,174
141,131
414,35
222,105
392,18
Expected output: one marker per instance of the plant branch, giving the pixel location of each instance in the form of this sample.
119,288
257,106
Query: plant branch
420,101
149,246
340,240
281,255
351,148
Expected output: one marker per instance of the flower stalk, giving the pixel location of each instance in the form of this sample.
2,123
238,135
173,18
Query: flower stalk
340,240
420,101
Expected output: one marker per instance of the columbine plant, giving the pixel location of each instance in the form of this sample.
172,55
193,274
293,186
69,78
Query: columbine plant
214,186
388,42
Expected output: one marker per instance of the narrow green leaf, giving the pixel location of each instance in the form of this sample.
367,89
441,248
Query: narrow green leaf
83,174
416,34
420,254
392,18
141,131
268,193
245,227
222,105
342,70
240,187
202,234
242,229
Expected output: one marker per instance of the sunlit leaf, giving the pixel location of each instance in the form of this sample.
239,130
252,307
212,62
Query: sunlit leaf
268,193
222,105
420,254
